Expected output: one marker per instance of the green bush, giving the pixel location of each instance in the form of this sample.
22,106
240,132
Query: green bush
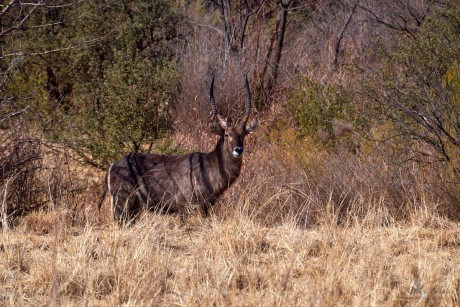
315,107
131,113
110,94
419,89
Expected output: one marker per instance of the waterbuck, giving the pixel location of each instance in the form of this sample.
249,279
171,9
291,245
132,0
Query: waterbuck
167,183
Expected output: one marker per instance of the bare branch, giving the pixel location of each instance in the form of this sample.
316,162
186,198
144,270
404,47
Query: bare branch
56,23
82,44
246,20
205,26
13,114
20,24
51,6
386,23
7,7
342,33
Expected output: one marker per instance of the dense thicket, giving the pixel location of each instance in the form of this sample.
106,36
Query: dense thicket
419,87
369,80
99,73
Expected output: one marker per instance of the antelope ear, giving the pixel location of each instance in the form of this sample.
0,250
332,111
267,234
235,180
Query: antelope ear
252,126
216,129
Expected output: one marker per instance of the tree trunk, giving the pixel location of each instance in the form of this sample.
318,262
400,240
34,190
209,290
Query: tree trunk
279,46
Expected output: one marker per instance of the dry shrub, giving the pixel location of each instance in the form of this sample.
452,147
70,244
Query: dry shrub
206,55
34,178
285,178
193,113
20,190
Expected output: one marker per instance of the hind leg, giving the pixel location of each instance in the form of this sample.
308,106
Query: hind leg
205,208
126,208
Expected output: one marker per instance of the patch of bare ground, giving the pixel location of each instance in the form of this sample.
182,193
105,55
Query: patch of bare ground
162,260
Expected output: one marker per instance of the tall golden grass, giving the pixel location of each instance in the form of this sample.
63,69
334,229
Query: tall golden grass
233,258
303,226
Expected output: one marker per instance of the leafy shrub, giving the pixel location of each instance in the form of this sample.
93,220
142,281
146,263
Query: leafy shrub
315,107
130,114
113,95
419,89
292,150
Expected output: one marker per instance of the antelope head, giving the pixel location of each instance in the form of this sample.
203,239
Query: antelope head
233,136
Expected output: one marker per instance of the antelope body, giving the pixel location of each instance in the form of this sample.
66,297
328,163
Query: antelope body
167,183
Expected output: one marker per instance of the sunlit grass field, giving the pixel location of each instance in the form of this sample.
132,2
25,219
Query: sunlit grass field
231,259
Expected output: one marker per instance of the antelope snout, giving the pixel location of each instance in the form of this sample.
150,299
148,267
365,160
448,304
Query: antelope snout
237,151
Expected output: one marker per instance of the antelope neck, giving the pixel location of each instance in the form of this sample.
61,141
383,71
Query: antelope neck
229,168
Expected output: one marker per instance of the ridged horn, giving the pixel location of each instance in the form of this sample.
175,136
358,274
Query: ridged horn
221,120
247,110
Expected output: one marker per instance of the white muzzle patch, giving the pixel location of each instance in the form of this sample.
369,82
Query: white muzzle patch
237,152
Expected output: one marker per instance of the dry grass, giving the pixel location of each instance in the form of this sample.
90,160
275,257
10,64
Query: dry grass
334,230
302,226
231,260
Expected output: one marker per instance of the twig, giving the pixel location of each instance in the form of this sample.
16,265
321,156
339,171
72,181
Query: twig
205,26
13,114
88,42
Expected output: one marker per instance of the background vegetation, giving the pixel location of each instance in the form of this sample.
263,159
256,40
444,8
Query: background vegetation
350,192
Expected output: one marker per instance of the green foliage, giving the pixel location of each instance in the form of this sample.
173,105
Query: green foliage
165,146
452,82
420,89
128,114
290,149
111,93
315,106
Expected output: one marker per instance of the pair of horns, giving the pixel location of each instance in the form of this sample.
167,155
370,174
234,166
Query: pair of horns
247,112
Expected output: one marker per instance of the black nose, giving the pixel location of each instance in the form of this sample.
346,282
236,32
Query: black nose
238,150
